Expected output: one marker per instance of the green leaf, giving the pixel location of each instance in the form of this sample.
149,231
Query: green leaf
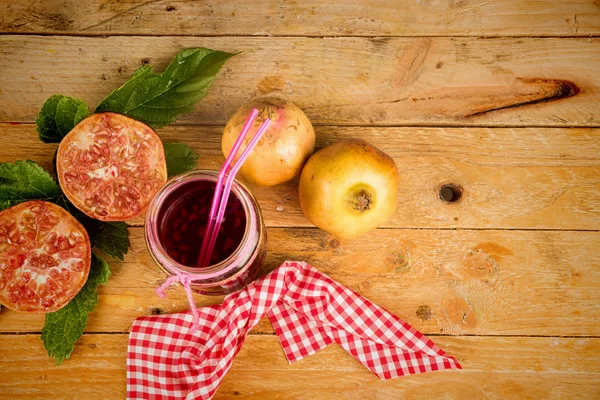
110,237
65,326
58,116
159,99
117,100
180,158
25,180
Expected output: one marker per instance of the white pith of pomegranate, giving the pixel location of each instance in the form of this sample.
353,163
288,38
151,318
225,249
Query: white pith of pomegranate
110,166
45,257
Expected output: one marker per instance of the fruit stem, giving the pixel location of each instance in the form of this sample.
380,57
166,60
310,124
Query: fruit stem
266,112
363,201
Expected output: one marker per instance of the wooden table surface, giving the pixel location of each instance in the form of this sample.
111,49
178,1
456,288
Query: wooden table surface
501,98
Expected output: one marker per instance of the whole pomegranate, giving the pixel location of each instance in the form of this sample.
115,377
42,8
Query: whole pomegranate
349,188
282,151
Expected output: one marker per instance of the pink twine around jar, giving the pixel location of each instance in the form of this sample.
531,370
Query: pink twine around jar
186,280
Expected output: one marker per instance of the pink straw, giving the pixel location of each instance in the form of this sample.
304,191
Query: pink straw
226,191
216,214
220,181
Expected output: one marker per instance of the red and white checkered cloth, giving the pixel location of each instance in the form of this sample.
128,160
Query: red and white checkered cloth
167,359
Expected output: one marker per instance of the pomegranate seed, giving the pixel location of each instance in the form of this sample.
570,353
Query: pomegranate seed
42,290
134,194
12,234
52,218
63,244
47,302
71,241
177,236
184,247
29,294
176,224
51,249
78,266
25,277
183,222
34,261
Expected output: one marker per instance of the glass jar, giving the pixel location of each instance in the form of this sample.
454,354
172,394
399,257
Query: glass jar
230,274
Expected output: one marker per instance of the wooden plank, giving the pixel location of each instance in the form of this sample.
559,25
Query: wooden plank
498,368
512,178
348,81
305,18
452,282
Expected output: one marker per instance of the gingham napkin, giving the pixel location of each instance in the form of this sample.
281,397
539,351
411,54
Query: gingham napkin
167,359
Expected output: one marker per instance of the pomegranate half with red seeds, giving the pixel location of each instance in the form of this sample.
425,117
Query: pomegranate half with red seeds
110,166
45,257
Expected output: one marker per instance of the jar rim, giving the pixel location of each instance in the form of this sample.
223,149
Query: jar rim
158,252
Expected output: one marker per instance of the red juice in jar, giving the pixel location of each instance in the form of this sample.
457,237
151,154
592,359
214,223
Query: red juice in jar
176,223
183,220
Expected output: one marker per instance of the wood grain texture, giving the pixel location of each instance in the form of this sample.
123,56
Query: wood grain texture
303,18
512,178
499,97
493,368
451,282
347,81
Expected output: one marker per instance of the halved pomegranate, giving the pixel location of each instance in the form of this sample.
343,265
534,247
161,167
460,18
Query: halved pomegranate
110,166
45,257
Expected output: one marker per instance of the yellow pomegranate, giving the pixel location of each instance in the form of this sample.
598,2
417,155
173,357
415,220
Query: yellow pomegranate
282,151
349,188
